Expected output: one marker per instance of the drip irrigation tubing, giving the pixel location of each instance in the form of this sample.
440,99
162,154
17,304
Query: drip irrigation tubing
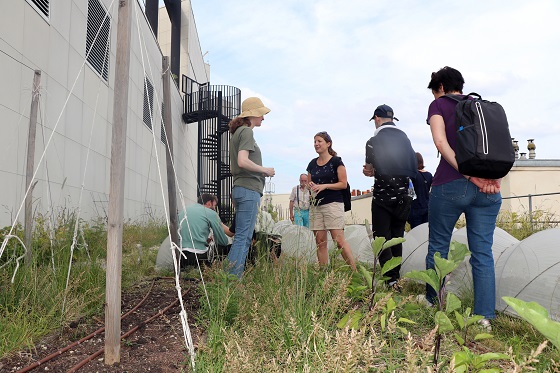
143,323
98,331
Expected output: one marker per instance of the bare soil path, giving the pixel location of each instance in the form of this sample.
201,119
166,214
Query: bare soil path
155,347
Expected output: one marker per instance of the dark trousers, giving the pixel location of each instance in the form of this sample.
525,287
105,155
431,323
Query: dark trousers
388,220
417,216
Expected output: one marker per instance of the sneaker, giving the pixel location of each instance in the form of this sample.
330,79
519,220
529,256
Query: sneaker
421,298
394,286
485,324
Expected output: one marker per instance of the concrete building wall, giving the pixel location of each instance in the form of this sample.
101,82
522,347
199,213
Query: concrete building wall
192,62
76,108
535,176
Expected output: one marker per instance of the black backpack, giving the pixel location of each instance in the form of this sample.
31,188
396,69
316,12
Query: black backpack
484,148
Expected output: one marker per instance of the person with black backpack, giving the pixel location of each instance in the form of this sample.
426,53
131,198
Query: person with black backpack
453,194
392,160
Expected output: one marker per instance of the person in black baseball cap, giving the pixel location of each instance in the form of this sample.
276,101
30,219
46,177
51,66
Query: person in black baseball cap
384,111
392,160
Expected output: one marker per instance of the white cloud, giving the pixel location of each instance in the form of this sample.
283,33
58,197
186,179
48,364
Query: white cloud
325,65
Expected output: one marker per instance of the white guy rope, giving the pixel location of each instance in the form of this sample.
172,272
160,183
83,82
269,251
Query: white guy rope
183,314
9,235
77,222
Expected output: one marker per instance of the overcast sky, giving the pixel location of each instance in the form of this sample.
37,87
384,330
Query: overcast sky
324,65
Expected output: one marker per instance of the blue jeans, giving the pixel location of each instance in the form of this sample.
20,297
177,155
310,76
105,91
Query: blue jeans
301,217
447,202
246,203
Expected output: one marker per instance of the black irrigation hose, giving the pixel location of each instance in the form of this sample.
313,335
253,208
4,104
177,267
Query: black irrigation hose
98,331
147,321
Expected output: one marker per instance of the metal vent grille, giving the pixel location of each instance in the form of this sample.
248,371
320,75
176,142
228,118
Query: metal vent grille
97,38
148,103
42,6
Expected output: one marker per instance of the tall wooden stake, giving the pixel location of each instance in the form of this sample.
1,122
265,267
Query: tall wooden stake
30,165
172,194
116,191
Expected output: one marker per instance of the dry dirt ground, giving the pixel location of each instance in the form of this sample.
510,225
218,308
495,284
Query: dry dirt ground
157,346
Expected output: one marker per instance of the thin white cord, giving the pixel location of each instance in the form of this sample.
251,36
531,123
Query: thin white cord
5,242
183,314
77,222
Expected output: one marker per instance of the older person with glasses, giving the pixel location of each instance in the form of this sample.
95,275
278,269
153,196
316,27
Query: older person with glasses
327,179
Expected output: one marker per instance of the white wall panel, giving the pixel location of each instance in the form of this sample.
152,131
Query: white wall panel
12,18
11,77
58,50
73,124
36,35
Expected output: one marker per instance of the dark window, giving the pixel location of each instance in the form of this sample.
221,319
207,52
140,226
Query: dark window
97,38
148,103
42,6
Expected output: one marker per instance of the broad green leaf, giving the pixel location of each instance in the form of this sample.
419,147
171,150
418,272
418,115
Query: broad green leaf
428,276
391,306
382,321
443,322
377,245
356,288
405,320
444,266
537,316
393,241
491,370
462,359
351,319
460,369
391,263
473,319
459,339
367,275
480,360
452,303
457,252
460,319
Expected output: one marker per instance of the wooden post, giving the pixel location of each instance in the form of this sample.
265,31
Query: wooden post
168,125
30,165
116,192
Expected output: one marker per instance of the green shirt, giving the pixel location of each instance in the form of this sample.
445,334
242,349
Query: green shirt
243,139
200,220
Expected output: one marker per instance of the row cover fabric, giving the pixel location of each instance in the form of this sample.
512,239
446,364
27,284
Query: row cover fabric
528,270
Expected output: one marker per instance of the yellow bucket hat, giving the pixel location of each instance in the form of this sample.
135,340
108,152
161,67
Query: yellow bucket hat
253,107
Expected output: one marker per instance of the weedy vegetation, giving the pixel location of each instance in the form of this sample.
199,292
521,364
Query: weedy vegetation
284,315
39,297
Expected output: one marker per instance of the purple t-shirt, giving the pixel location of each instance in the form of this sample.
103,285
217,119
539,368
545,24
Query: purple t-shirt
445,107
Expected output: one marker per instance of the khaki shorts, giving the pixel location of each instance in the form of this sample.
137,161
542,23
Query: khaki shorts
326,217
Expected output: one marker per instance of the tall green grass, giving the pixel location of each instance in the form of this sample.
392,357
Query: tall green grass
38,301
282,317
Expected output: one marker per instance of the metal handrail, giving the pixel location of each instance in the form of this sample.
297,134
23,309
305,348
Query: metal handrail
530,197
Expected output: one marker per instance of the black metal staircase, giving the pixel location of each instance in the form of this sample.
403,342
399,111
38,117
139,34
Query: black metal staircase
213,107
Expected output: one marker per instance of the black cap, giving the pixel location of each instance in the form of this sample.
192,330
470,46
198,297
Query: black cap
384,111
